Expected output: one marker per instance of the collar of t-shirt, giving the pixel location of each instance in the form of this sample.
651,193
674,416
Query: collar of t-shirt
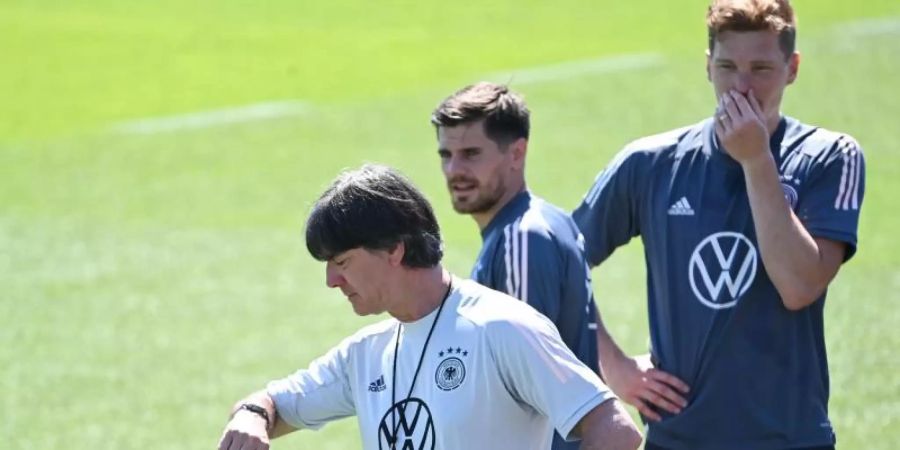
420,328
514,208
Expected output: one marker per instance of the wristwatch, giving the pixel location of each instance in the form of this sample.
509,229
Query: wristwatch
255,409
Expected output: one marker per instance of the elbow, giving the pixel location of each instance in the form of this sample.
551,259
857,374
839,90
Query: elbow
626,435
608,426
799,295
794,304
625,438
630,439
633,440
801,284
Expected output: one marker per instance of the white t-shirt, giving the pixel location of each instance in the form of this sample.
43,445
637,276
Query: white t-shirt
495,375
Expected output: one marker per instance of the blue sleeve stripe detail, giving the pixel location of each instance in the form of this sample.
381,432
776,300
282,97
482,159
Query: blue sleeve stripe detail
848,192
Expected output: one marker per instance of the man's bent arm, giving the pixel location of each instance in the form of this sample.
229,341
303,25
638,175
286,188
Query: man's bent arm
608,427
636,381
799,265
250,430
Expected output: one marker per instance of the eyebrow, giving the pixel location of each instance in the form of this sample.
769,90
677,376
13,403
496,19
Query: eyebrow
474,147
755,61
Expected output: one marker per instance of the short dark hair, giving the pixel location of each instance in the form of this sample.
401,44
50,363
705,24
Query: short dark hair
376,208
753,15
506,116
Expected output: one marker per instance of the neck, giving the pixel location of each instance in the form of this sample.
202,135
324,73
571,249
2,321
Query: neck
421,292
484,218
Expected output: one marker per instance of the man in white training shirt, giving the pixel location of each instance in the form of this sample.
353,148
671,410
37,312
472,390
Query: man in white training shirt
458,366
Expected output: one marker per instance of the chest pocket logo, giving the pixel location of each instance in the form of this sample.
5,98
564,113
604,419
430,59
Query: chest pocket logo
450,374
729,258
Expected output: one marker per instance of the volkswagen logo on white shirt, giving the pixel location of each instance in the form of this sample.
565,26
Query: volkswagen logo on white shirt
407,425
722,268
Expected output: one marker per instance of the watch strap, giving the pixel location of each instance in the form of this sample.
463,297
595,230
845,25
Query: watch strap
255,409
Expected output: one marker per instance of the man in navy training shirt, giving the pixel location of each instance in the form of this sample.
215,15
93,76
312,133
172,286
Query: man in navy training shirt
746,218
532,250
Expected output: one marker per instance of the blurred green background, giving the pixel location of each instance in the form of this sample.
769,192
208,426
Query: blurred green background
157,161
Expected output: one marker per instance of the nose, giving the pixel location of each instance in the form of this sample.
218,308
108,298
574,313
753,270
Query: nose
333,277
742,83
452,166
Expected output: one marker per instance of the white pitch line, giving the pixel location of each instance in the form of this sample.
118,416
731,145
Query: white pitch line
869,27
212,118
276,109
852,36
579,68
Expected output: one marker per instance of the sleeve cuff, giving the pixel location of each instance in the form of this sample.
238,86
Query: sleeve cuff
569,425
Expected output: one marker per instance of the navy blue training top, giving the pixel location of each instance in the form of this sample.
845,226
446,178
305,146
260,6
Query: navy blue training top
758,372
533,251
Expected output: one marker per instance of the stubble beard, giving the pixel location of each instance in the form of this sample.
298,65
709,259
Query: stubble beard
482,202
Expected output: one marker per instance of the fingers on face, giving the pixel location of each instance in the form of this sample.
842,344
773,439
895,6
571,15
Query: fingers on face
743,105
722,118
722,121
730,106
740,106
754,103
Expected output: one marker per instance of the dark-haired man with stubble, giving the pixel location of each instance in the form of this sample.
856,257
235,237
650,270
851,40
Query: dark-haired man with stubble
457,366
746,218
531,249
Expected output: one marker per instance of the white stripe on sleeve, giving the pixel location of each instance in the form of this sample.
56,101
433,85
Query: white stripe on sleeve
855,204
843,185
507,245
848,195
524,265
516,263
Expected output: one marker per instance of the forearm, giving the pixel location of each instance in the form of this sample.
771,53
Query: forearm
636,381
792,258
276,427
608,427
259,398
608,351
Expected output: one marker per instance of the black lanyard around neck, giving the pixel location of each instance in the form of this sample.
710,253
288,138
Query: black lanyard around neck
394,406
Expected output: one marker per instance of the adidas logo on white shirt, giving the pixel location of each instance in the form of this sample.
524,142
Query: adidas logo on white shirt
377,385
681,208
